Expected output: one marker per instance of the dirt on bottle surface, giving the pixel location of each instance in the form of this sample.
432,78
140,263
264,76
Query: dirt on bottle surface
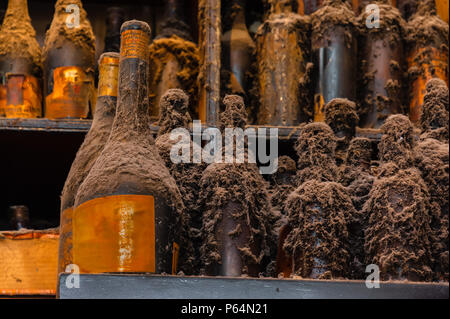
91,148
319,214
341,116
186,53
282,182
174,106
333,13
397,141
316,147
242,184
18,37
397,237
435,113
357,177
390,31
60,32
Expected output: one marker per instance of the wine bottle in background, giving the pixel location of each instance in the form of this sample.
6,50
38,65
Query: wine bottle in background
69,62
381,66
128,209
89,151
407,8
283,47
427,54
174,59
237,50
19,217
334,50
115,17
308,6
20,64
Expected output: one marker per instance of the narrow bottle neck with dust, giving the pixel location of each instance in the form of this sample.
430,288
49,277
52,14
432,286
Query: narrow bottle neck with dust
133,104
280,7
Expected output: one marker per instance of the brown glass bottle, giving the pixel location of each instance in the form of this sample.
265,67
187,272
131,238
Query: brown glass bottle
381,65
69,63
235,205
19,217
128,208
282,53
20,64
237,49
89,151
174,59
334,51
427,54
115,17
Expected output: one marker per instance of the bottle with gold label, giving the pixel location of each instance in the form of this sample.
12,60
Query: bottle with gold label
381,64
174,59
282,43
20,64
427,45
115,17
334,51
69,62
128,209
89,151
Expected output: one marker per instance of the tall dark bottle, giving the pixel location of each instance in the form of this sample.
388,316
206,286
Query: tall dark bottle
69,62
334,51
115,17
20,64
427,54
127,210
282,54
89,151
174,59
237,49
381,65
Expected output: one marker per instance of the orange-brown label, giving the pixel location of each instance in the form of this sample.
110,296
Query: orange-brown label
69,93
175,254
319,114
437,68
134,44
115,234
108,79
2,99
23,96
65,240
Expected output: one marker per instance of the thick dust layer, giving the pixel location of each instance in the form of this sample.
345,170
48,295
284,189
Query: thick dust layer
59,32
397,237
434,117
18,37
341,116
319,214
316,148
186,54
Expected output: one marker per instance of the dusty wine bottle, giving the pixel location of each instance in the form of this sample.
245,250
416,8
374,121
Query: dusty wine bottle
127,210
19,217
237,49
20,64
334,50
89,151
282,52
115,17
69,62
174,59
381,65
407,8
427,46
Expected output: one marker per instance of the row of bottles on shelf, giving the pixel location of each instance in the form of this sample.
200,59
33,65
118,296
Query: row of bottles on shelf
295,65
127,207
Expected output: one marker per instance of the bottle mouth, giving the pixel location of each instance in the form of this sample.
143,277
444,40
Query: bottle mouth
136,25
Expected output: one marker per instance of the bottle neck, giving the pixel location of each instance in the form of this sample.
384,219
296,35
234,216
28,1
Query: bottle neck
132,115
173,10
239,15
17,11
281,7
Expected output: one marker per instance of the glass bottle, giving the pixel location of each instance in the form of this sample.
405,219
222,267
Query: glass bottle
69,62
127,210
20,64
89,151
115,17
